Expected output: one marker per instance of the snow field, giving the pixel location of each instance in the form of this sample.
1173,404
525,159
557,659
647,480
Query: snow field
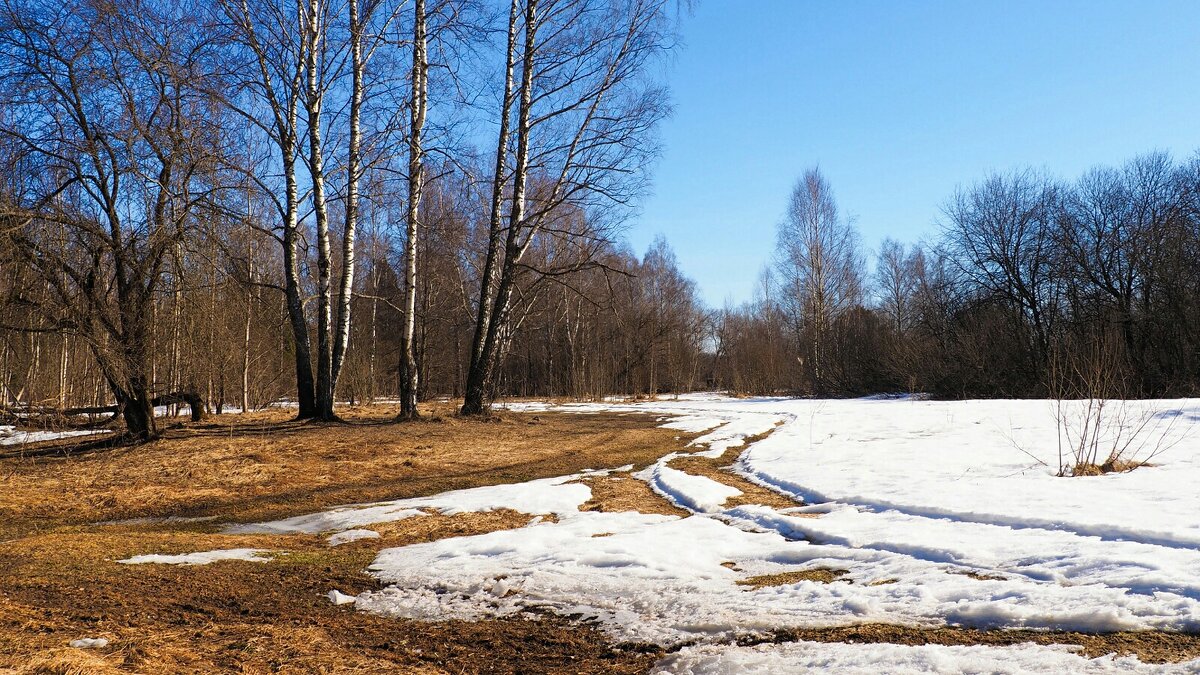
939,512
936,510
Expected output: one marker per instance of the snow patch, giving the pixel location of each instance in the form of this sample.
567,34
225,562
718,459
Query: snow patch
10,436
868,659
347,536
201,558
88,643
558,496
339,598
695,493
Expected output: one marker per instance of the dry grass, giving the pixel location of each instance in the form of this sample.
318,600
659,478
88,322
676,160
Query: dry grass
263,466
1149,646
820,575
256,617
720,470
1111,466
620,492
59,581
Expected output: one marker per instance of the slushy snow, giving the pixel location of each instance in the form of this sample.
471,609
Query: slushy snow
940,513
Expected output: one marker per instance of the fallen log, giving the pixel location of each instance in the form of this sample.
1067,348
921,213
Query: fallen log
32,415
191,399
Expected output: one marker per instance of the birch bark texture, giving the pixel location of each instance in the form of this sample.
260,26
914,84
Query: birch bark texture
585,110
409,373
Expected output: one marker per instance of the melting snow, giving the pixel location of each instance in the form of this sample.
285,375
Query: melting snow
936,510
88,643
339,598
940,513
10,436
552,495
347,536
869,659
202,558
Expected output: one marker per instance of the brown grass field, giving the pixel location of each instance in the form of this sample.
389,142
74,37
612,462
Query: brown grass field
67,512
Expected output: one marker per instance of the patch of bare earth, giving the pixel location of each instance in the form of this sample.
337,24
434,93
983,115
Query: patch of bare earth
721,470
262,466
615,493
978,576
1148,646
821,575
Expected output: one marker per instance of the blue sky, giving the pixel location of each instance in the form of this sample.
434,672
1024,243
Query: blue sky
899,102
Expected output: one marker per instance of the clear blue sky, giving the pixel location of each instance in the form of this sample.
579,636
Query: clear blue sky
899,102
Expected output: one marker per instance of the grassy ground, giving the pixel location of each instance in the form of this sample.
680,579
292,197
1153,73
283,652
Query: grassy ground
58,580
66,516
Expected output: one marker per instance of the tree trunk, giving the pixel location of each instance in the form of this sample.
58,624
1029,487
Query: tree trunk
316,168
488,353
410,380
305,390
341,341
477,374
138,414
249,310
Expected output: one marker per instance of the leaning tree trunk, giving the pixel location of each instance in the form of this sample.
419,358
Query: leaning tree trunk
479,368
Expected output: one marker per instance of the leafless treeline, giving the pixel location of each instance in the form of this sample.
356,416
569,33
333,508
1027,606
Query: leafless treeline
1029,275
322,200
327,200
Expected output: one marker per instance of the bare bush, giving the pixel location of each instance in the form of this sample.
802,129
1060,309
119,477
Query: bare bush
1100,430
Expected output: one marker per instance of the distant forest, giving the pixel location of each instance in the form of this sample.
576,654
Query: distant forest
325,201
1035,286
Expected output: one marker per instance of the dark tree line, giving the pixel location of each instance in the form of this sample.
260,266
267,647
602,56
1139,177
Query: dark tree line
323,200
1028,275
318,201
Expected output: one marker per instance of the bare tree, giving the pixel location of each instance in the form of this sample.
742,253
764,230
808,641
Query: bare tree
1001,236
107,110
584,109
419,79
301,76
819,263
897,283
265,88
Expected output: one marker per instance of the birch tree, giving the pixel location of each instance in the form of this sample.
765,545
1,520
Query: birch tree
582,115
416,175
819,265
304,80
264,88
